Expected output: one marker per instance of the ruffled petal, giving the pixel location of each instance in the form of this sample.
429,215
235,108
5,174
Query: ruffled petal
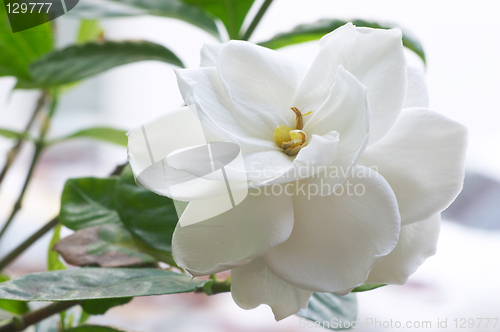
232,238
260,83
337,239
203,88
422,158
375,57
254,284
416,243
345,110
417,94
209,54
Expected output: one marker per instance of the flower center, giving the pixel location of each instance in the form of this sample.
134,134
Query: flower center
291,140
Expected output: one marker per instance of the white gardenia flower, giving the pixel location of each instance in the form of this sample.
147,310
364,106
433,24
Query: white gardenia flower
357,117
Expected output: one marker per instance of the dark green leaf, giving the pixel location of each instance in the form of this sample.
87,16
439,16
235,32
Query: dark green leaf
109,245
167,8
93,328
99,307
367,287
314,31
81,61
90,31
18,50
53,262
10,133
87,202
13,306
147,215
329,309
105,134
231,12
96,283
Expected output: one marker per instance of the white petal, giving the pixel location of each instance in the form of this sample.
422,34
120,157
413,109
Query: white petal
422,158
261,84
209,54
417,94
416,243
150,143
203,88
375,57
254,284
319,153
235,237
345,110
337,239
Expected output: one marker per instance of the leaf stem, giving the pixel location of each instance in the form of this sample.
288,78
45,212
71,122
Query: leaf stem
39,146
256,19
14,151
31,318
4,262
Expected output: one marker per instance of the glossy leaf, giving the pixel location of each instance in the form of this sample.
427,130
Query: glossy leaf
82,61
167,8
53,262
18,50
367,287
13,306
87,202
99,307
93,328
147,215
231,12
109,245
314,31
89,31
105,134
96,283
328,308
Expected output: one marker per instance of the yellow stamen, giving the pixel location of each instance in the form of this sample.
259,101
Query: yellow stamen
282,134
291,140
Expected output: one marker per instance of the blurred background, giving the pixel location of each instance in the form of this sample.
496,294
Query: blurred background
463,72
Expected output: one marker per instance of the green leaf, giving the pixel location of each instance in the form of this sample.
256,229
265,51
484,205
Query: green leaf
314,31
167,8
231,12
96,283
99,307
367,287
147,215
53,262
109,245
81,61
329,309
87,202
93,328
13,306
10,133
105,134
18,50
90,31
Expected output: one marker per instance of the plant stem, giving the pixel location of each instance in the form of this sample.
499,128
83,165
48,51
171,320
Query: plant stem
39,146
11,256
256,19
215,286
31,318
14,151
4,262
